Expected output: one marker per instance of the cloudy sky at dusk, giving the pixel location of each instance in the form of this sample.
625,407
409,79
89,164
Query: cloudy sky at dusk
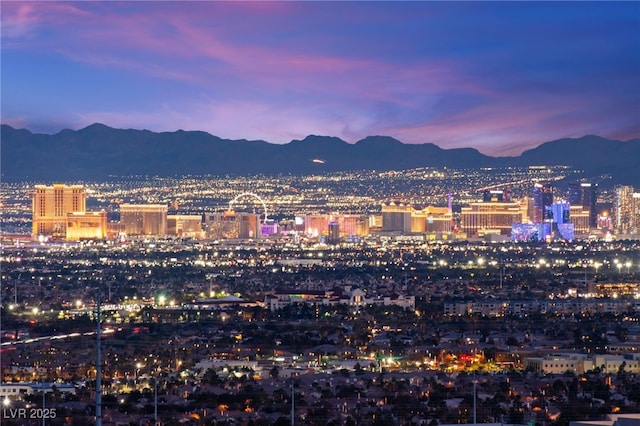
500,77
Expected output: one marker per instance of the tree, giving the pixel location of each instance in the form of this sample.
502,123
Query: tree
274,373
211,377
358,369
512,341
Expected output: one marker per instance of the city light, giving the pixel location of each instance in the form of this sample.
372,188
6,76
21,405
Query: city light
241,306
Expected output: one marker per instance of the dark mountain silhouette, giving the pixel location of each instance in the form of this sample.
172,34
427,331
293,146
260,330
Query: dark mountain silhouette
99,151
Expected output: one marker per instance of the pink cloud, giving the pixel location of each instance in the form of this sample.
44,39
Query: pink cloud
108,37
245,81
504,126
15,122
22,20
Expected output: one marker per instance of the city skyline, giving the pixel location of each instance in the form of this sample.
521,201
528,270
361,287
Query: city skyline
498,77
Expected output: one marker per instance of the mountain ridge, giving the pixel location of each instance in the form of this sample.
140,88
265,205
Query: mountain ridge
98,151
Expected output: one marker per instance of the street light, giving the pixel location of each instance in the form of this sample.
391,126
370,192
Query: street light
628,265
137,378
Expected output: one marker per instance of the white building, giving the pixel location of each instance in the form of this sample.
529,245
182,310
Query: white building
17,390
346,296
581,363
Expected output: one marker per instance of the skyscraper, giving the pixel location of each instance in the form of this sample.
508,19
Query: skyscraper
396,217
579,217
490,216
86,226
187,226
585,194
249,225
542,198
144,219
627,210
561,227
52,204
231,224
590,201
334,233
405,218
574,194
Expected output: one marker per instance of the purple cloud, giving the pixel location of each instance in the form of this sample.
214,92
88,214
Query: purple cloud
499,77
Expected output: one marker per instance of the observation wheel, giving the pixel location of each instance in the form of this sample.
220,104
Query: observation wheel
253,196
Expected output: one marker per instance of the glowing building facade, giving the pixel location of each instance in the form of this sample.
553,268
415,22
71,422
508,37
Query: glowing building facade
349,225
316,225
627,210
333,236
542,198
579,217
86,226
144,219
249,225
268,228
222,225
561,226
184,226
486,217
586,195
52,204
405,218
525,232
232,225
396,217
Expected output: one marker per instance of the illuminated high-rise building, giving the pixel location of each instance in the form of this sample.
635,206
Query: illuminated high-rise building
249,225
184,226
270,227
494,216
561,223
86,226
542,198
585,194
316,225
590,202
627,210
222,225
579,217
231,224
144,219
574,194
405,218
52,204
334,233
396,217
431,219
560,212
362,226
635,212
561,226
348,223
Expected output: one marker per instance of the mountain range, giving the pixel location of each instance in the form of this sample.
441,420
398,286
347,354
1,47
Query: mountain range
98,151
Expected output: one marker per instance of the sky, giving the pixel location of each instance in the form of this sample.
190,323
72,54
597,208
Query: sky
500,77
